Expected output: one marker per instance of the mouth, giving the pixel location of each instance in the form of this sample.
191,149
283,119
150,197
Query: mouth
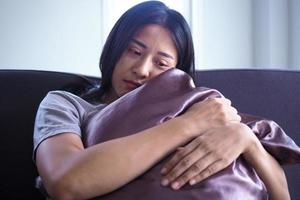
132,84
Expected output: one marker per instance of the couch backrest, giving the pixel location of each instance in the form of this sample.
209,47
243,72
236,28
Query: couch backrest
269,93
21,93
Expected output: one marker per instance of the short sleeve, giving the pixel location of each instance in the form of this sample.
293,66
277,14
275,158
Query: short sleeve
59,112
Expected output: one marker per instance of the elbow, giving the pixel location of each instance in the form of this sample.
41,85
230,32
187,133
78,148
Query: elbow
62,189
281,195
284,196
60,194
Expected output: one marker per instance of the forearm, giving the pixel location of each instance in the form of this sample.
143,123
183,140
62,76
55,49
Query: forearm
107,166
269,170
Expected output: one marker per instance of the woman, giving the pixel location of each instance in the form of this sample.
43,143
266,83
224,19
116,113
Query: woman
147,40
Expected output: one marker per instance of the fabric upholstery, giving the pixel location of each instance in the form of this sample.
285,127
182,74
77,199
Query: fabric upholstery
276,98
21,93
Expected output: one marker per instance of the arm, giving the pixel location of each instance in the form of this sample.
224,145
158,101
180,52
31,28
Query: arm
268,169
71,172
205,156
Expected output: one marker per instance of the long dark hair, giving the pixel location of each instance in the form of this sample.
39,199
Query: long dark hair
149,12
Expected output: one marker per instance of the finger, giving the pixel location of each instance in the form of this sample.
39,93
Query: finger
233,114
223,101
194,170
209,171
238,118
179,155
184,165
233,110
227,101
229,113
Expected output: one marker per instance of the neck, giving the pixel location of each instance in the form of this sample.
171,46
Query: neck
109,97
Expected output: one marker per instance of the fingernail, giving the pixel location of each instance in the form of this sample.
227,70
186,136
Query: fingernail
192,182
175,185
163,171
165,182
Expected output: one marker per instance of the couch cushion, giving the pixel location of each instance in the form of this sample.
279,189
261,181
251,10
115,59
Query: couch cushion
21,93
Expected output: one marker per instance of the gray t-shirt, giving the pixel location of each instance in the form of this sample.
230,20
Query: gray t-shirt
61,112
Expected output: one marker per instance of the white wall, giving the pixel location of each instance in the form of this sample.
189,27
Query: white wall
67,35
294,39
249,34
59,35
226,34
270,29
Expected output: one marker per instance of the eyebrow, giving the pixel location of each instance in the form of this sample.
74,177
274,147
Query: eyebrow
141,44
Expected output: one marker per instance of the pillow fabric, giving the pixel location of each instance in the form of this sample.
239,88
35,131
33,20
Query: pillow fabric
165,97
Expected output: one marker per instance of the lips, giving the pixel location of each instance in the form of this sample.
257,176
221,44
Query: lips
132,84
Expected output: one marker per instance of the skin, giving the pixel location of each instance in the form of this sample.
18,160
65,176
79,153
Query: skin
150,53
70,171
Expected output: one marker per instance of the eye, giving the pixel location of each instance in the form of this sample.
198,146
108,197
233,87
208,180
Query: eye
162,64
134,51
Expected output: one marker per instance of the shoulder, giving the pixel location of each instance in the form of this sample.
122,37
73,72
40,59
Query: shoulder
59,95
66,99
59,112
67,102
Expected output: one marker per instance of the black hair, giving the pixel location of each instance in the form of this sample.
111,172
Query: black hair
148,12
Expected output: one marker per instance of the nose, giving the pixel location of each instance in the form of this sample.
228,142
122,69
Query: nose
143,68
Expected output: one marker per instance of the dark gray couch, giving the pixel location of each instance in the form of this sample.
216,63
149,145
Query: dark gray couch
272,94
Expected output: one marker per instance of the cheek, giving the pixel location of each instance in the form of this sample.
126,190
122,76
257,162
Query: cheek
118,69
157,72
121,66
117,78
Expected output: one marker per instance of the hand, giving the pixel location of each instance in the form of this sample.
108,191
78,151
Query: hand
210,113
209,153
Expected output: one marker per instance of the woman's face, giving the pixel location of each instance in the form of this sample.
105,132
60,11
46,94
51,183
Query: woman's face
149,53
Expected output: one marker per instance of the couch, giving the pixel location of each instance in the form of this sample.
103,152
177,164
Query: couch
274,94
